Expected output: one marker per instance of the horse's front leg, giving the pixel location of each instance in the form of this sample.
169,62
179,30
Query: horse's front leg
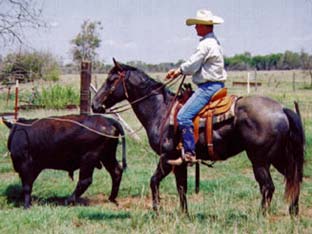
180,173
162,170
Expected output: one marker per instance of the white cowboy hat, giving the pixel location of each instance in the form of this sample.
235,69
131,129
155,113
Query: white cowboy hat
204,17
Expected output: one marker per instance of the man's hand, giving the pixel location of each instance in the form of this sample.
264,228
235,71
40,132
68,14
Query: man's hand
173,73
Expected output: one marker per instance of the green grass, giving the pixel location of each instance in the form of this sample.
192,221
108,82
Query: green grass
228,201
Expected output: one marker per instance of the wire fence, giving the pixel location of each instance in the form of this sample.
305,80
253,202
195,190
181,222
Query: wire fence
283,86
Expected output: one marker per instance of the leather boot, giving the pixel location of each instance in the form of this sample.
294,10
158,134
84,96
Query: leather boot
188,152
187,133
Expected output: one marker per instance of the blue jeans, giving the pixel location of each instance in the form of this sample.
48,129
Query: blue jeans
195,103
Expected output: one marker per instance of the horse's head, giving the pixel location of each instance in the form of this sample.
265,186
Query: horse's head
125,82
112,91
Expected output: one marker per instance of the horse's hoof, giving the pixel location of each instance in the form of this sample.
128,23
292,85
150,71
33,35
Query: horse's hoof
293,211
114,201
69,201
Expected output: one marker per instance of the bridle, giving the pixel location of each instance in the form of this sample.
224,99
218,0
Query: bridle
122,76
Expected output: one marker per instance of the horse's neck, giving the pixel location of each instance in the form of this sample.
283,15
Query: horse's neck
152,112
152,109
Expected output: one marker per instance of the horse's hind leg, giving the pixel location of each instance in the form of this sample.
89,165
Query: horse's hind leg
294,206
294,200
162,170
180,173
263,177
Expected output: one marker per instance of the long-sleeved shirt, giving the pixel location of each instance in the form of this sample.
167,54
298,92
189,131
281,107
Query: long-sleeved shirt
207,63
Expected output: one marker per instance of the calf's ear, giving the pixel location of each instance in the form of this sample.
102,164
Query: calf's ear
7,123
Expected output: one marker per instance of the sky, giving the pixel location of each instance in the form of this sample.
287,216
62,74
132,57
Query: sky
154,31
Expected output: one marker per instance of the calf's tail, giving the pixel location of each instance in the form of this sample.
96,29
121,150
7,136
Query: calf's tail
123,142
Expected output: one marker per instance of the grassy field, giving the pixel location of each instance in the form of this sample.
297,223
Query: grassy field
228,201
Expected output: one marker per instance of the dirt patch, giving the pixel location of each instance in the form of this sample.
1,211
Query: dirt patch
127,203
167,202
277,218
8,175
306,211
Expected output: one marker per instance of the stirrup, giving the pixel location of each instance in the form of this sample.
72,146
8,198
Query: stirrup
186,158
176,162
180,160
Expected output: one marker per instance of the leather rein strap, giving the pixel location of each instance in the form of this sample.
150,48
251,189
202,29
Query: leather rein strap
169,111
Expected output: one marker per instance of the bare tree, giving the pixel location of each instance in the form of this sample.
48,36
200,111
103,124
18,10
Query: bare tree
16,16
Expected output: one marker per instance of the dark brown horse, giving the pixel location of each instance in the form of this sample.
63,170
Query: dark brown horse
270,134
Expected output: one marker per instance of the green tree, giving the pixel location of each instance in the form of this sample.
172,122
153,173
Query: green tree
87,41
30,66
291,60
273,60
238,62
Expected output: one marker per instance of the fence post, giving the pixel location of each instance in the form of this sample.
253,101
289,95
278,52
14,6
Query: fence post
256,84
8,95
248,83
16,100
85,79
294,81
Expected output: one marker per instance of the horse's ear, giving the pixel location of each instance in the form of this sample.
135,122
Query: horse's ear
117,65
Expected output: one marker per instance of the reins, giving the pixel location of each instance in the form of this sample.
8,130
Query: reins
169,110
127,106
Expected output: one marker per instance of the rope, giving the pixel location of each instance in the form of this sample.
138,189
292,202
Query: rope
69,121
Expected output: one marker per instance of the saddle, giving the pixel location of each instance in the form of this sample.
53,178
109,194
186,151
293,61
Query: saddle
218,109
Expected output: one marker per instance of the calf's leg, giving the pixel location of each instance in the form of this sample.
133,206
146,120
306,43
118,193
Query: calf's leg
28,177
85,180
115,171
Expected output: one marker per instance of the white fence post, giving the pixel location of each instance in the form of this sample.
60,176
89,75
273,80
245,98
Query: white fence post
248,83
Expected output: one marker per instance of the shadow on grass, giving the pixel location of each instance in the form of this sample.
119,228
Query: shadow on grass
15,197
228,218
200,217
103,216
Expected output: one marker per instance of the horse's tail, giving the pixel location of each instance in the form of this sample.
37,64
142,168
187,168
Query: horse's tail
295,148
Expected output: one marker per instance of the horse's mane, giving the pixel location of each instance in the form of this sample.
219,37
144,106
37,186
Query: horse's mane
149,83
